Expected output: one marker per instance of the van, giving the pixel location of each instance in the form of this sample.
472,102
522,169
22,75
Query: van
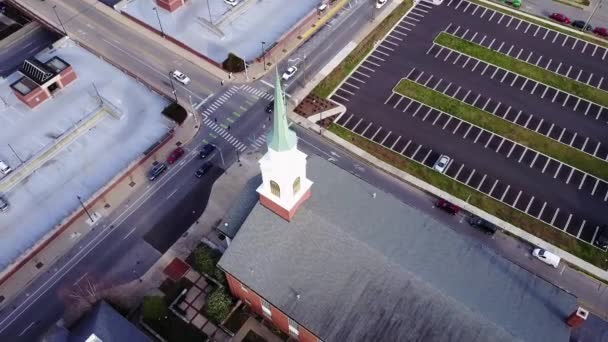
322,8
546,257
4,168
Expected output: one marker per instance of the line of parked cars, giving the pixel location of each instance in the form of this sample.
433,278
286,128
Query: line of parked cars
4,170
175,155
579,24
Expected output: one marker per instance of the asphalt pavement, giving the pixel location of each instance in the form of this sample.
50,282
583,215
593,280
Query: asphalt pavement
28,42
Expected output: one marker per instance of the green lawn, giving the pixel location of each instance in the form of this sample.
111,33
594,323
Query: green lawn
331,82
478,199
588,37
504,128
528,70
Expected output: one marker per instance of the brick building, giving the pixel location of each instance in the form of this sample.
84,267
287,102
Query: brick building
41,80
341,260
170,5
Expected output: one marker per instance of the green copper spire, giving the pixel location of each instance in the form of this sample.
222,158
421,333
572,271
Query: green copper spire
281,138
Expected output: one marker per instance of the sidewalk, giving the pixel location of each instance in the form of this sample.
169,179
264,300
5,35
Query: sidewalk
103,203
303,92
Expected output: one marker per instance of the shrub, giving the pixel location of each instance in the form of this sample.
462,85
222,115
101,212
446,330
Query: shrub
218,305
154,308
233,63
175,112
205,260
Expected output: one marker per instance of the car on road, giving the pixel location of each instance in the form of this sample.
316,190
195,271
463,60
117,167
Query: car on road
601,239
181,77
289,73
175,155
202,170
448,207
4,168
560,18
546,257
206,151
482,224
231,2
270,107
3,204
579,24
156,171
380,3
601,31
441,163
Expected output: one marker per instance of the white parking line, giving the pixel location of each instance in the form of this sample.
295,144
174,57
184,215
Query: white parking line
529,204
386,137
597,181
505,193
470,176
395,143
541,210
557,171
580,186
546,164
357,125
389,98
426,157
366,128
398,102
546,33
416,152
523,154
554,216
458,172
406,145
378,131
516,199
581,229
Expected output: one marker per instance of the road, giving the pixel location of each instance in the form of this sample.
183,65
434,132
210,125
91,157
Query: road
26,45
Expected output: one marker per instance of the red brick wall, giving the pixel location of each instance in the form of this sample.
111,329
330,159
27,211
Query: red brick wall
282,212
30,99
66,77
170,5
279,319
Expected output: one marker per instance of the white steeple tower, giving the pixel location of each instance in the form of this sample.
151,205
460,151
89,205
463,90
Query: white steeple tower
284,184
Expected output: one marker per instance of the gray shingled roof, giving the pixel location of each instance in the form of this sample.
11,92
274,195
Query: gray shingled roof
375,269
108,325
240,209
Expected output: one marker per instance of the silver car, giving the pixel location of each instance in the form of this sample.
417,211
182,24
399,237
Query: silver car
3,204
441,163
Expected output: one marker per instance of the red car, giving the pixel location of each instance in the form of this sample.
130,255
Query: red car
560,18
601,31
448,207
175,155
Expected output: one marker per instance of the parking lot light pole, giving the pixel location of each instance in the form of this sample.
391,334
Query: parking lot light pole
16,155
162,33
85,208
264,55
173,86
59,19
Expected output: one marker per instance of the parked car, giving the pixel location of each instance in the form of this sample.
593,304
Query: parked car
579,24
181,77
601,31
4,168
3,204
380,3
270,107
482,224
156,171
601,239
546,257
560,18
231,2
441,163
289,73
448,207
202,170
175,155
206,151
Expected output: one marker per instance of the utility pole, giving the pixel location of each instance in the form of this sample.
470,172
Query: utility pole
209,10
264,55
173,87
162,33
59,19
591,15
85,208
221,156
12,149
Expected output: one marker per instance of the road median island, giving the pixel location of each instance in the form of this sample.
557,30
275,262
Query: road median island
540,21
525,69
344,69
506,129
538,228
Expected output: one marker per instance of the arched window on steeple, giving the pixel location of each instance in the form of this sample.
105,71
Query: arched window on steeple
296,186
275,188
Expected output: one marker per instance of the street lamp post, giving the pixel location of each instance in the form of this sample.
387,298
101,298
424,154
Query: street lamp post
59,19
591,15
209,10
221,156
16,155
173,87
264,55
162,33
85,208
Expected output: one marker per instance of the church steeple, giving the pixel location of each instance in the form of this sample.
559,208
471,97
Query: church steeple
284,184
281,138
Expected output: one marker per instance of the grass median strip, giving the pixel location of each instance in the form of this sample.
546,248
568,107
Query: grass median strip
504,128
551,26
331,82
565,84
479,200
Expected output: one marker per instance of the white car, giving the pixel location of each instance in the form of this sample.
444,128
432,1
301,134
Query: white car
181,77
441,163
380,3
546,257
5,169
289,73
231,2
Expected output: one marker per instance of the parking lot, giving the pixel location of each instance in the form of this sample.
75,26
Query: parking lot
548,189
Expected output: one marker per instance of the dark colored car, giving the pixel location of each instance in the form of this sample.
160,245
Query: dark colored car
560,18
447,206
156,171
202,170
206,151
579,24
601,240
270,107
175,155
601,31
482,224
